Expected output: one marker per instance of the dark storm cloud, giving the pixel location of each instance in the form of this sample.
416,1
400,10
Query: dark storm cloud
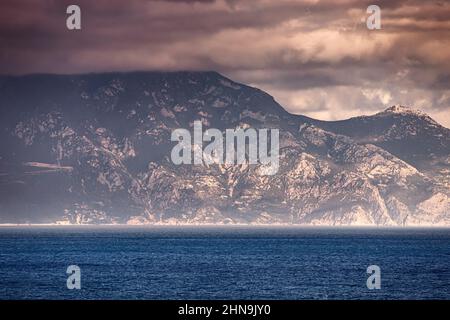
311,55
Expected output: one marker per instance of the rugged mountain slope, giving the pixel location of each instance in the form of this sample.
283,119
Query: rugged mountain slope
408,134
96,149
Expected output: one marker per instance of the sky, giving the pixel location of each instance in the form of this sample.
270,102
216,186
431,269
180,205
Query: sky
315,57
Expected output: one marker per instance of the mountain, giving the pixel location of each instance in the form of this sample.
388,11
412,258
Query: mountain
96,148
409,134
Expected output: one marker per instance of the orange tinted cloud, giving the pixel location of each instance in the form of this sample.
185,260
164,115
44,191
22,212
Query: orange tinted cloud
316,57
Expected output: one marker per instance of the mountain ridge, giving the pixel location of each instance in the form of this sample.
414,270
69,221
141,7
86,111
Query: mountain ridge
113,132
396,108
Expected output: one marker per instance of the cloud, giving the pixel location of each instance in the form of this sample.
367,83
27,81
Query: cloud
316,57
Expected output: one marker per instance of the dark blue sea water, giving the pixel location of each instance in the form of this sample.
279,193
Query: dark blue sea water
223,263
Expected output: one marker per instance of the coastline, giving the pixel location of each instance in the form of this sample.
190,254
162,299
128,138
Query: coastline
222,226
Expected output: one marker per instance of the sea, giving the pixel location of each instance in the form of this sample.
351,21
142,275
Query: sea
229,262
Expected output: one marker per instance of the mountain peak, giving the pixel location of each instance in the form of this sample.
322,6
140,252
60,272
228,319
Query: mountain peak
399,109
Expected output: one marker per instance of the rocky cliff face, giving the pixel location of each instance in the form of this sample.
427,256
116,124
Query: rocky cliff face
96,149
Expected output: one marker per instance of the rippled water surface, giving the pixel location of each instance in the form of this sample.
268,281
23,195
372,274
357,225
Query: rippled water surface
223,263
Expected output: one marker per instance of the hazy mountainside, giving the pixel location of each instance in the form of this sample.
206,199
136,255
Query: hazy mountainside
408,134
96,149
